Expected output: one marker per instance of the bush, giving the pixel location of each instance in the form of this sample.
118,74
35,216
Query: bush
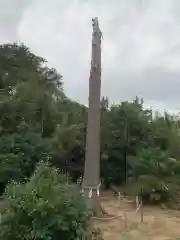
155,175
47,207
19,155
96,234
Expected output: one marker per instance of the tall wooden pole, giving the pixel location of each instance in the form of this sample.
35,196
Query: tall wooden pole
91,179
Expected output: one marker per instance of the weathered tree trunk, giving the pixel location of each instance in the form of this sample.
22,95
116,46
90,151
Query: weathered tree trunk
91,181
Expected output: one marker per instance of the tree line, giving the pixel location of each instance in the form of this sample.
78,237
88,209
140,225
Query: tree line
38,122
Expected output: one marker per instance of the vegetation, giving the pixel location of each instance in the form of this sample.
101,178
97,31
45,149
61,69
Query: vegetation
46,207
39,122
19,154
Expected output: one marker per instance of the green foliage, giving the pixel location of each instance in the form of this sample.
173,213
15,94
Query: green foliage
29,91
46,207
124,132
19,155
32,100
96,234
154,174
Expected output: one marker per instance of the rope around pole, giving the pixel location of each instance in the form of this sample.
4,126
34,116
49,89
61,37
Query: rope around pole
128,201
138,204
97,188
137,201
107,218
125,200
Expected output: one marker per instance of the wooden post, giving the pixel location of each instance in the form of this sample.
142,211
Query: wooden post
119,199
141,211
137,203
125,219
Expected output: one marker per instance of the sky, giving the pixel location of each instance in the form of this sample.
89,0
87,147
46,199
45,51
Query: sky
140,49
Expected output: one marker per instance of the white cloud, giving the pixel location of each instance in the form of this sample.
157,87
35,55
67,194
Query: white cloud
10,15
140,50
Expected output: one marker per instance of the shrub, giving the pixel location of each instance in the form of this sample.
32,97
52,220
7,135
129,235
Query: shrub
46,207
155,174
96,234
19,155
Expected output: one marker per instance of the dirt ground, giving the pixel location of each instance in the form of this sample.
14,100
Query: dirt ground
158,224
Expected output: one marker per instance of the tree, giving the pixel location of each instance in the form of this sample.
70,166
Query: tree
19,155
91,179
124,131
29,92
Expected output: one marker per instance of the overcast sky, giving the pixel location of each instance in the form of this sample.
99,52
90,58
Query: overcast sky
140,50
